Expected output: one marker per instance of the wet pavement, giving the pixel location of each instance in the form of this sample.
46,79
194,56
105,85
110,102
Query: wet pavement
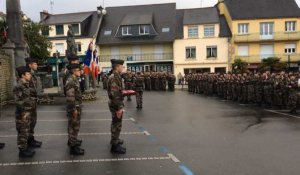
175,133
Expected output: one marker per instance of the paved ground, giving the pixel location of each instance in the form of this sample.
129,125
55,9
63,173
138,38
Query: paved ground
175,133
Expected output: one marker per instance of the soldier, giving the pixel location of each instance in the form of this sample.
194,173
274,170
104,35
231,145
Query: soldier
104,80
34,91
171,82
24,108
116,105
74,101
139,88
147,81
128,80
73,59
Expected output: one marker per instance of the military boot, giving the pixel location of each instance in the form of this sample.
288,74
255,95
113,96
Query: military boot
118,149
27,153
2,145
34,143
78,142
76,151
119,141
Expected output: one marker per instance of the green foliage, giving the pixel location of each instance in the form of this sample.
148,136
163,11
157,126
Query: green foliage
239,66
2,39
272,64
38,44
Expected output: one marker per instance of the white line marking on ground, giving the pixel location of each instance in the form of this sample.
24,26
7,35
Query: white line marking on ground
84,161
174,158
289,115
65,120
132,119
81,134
147,133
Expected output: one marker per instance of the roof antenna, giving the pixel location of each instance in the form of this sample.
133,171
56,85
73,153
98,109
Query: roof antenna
51,4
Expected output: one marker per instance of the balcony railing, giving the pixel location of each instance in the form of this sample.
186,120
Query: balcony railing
259,58
278,36
138,57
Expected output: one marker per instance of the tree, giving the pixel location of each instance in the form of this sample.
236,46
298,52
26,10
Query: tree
239,66
2,34
38,44
272,64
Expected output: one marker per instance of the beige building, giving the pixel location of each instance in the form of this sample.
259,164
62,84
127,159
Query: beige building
203,45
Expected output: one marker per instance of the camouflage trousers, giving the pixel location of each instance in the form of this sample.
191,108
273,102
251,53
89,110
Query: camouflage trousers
116,126
23,119
128,86
139,98
74,117
293,98
33,120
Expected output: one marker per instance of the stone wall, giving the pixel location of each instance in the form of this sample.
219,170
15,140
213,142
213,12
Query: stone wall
5,79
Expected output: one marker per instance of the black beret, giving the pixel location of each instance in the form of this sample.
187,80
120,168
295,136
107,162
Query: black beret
73,57
30,60
22,70
115,62
73,66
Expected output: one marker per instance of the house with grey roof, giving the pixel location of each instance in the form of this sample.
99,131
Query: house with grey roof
141,35
204,41
262,29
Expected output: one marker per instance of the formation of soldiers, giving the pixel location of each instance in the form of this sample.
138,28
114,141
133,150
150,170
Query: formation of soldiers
272,90
155,81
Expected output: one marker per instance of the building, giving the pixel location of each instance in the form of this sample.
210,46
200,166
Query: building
84,25
262,29
202,45
141,35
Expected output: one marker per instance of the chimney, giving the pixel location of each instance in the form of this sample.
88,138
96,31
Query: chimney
44,15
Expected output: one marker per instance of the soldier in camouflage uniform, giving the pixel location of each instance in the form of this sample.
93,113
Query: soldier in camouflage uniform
139,89
34,91
24,109
116,105
171,82
73,59
104,80
74,101
128,81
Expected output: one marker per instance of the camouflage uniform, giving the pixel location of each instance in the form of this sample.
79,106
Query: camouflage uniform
74,101
24,108
114,90
139,88
171,82
33,92
128,81
104,80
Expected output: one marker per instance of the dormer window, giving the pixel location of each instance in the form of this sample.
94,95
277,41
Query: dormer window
144,30
107,32
126,30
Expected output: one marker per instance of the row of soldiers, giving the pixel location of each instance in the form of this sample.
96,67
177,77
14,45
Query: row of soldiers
156,81
274,90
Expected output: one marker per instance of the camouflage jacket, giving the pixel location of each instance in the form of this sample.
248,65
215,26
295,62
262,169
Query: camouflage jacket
33,84
114,90
139,83
73,91
23,99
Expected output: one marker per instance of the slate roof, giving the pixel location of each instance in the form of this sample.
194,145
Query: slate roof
160,15
201,16
261,9
67,18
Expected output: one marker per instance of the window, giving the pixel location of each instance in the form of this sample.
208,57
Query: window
190,52
209,31
126,30
290,48
45,30
211,52
243,28
290,26
60,48
144,30
59,29
107,32
243,50
165,29
78,47
193,32
75,28
266,30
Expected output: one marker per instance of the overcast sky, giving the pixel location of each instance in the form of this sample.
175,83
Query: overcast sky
33,7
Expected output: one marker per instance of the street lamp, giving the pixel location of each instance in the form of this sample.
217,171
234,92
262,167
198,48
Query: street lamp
101,11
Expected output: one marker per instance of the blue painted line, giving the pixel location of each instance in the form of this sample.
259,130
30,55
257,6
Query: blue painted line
186,170
152,138
164,149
